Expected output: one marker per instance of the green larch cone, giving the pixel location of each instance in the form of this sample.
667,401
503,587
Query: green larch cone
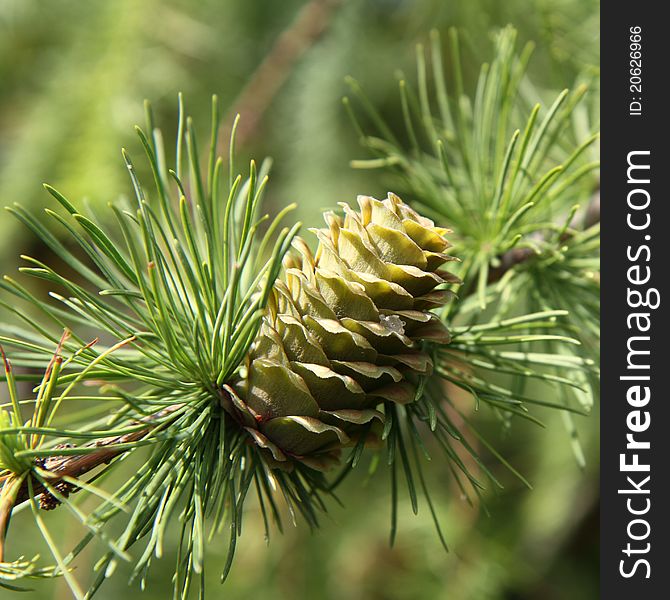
345,331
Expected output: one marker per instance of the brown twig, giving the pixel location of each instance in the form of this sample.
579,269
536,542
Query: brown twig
304,31
58,468
76,465
516,256
592,215
8,494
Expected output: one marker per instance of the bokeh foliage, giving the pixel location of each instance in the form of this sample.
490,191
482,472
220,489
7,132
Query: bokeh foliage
71,82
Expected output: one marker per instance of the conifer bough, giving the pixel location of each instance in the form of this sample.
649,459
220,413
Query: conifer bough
344,332
237,374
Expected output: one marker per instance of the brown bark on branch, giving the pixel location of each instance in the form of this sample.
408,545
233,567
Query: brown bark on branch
305,30
516,256
76,465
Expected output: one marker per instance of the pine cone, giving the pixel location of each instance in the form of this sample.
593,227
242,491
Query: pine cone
344,332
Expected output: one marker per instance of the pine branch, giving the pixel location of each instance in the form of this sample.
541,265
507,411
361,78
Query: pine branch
315,353
497,173
517,256
76,465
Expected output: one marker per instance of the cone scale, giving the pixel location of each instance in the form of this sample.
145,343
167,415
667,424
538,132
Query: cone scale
345,331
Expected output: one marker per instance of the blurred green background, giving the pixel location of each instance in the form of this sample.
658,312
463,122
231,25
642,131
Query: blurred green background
73,76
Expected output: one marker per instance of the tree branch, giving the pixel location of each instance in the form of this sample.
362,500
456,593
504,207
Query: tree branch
75,465
305,30
516,256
